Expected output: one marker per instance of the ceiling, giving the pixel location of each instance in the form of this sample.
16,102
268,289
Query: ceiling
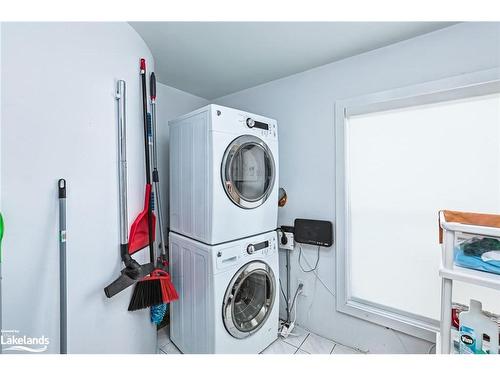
213,59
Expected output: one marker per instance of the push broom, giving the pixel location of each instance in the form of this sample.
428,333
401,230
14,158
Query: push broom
157,288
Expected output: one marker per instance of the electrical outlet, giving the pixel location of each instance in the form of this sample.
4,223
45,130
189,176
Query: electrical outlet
290,242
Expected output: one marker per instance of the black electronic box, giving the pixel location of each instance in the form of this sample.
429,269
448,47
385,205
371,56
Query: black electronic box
313,232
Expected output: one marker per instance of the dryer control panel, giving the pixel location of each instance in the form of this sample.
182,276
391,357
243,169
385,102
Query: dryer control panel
235,121
261,127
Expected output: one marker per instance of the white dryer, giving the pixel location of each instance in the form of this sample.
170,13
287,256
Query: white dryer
228,294
223,174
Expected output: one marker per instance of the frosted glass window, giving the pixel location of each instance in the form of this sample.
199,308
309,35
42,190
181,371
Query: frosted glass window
403,166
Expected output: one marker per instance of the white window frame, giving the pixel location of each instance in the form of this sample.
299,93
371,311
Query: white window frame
458,87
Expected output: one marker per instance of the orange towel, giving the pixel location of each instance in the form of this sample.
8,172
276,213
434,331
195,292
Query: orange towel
483,220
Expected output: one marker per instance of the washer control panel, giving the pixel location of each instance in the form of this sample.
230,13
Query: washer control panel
262,248
252,248
228,256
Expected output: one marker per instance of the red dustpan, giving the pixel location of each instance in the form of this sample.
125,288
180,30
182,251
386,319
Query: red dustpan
139,231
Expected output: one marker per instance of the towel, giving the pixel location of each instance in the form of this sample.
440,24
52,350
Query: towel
491,256
475,262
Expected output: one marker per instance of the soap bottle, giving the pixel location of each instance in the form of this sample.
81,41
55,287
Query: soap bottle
473,324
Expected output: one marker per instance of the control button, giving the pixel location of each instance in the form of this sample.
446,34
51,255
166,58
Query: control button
219,254
250,122
250,249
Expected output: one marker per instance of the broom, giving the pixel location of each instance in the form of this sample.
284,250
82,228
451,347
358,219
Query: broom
153,290
157,288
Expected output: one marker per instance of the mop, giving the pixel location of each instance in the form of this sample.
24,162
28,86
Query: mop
63,287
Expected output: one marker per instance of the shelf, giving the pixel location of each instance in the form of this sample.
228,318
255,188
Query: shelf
466,275
452,272
454,342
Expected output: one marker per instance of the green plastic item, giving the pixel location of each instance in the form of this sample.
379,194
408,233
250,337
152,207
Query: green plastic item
1,237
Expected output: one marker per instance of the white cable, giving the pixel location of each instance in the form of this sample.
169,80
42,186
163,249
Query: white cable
291,325
430,349
311,269
297,292
404,346
295,312
317,276
400,340
294,305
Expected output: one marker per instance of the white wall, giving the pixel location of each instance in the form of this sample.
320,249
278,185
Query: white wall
171,103
303,104
59,120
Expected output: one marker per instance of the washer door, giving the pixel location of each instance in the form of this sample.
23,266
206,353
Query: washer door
249,299
248,171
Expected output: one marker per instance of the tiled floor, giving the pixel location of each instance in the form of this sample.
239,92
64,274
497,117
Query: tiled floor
165,346
301,342
304,342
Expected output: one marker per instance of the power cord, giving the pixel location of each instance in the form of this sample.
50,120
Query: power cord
283,294
311,268
430,349
404,346
400,340
315,272
299,289
287,327
295,305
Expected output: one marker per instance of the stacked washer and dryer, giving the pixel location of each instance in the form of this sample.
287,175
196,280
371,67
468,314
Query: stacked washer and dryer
223,244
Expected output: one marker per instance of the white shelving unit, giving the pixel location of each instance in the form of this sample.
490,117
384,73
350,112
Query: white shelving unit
450,272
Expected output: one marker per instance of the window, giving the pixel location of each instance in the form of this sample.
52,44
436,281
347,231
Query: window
402,156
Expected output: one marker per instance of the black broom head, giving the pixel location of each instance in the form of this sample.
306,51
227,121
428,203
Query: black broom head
147,293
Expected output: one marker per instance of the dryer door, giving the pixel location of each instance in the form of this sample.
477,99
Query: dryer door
249,299
248,171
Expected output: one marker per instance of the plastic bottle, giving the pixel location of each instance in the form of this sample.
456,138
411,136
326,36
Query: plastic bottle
473,324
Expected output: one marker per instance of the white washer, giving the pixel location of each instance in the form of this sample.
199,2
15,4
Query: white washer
223,174
228,294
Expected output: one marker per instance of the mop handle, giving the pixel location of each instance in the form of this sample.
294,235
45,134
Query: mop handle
122,156
62,269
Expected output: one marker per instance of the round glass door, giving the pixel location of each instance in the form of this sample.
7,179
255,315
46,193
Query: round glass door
249,299
248,171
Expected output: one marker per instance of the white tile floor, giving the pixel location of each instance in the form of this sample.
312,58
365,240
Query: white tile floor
302,342
305,342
